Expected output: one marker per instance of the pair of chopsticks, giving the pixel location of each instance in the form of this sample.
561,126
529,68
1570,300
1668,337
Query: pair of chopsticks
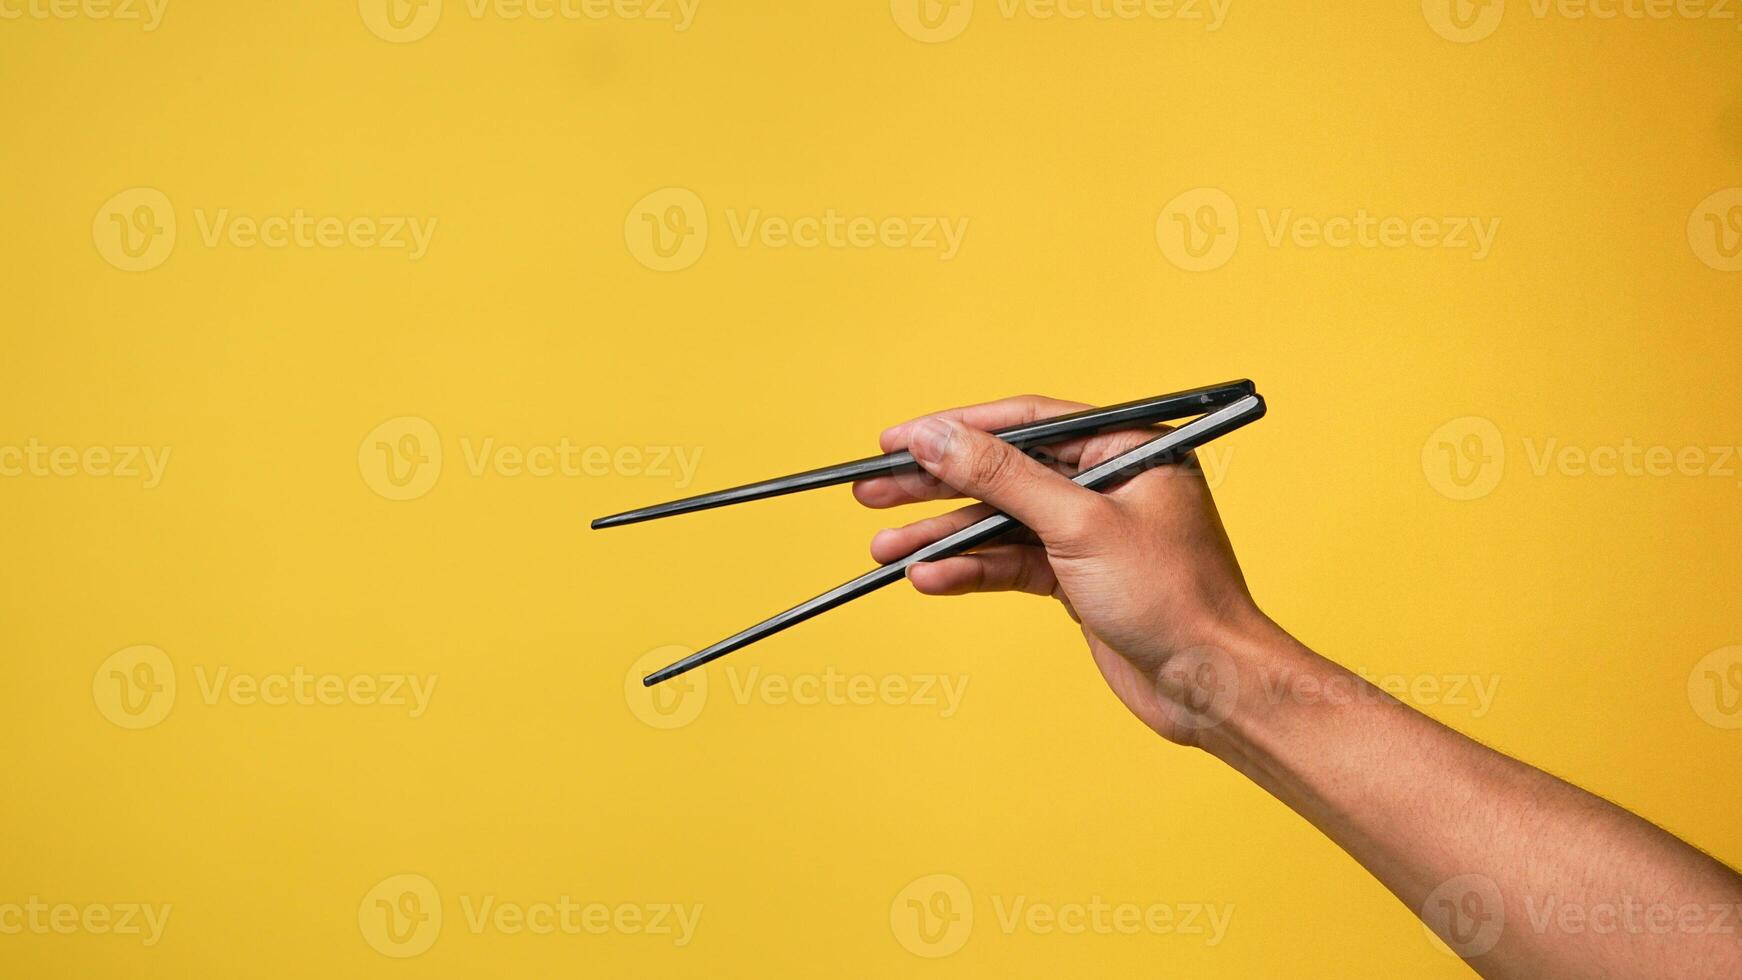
1221,409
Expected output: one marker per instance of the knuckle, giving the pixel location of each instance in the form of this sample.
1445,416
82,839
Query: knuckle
1085,522
992,467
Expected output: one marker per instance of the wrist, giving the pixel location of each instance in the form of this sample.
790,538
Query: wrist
1229,690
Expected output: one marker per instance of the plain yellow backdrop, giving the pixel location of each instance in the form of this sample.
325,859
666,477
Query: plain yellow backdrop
299,388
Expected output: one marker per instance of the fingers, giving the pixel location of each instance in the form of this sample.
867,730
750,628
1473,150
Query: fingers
891,543
906,488
1006,568
1101,448
881,492
987,416
985,467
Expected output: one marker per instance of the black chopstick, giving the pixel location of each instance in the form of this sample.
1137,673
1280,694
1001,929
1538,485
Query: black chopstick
1130,415
1162,449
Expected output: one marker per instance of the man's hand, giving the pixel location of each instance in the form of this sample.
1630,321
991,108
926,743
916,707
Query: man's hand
1146,569
1148,572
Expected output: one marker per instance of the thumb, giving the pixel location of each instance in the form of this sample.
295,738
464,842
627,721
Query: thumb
990,469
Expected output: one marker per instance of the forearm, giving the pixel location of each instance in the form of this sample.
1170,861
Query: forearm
1569,885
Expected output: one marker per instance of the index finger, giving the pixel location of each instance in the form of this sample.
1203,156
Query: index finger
907,488
986,416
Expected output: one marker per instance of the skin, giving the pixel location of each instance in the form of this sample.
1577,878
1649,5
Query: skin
1522,874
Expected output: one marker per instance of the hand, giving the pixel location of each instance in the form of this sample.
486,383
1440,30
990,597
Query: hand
1145,569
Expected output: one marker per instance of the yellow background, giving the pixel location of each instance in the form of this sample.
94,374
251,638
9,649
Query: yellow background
531,320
